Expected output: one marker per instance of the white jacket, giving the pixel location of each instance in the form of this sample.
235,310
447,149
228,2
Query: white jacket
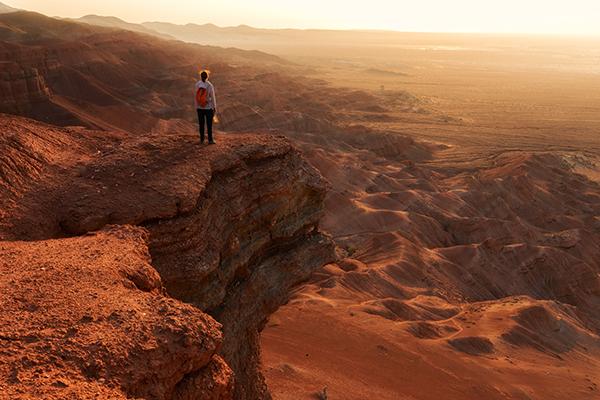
211,102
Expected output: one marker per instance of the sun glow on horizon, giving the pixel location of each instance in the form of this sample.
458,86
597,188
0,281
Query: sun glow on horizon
576,17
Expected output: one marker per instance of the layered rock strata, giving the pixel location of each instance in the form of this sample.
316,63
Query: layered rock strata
231,229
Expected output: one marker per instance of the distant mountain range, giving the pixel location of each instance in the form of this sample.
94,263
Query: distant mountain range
277,41
291,42
299,42
241,36
114,22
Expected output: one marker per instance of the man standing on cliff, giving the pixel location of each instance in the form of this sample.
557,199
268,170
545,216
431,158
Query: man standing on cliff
206,106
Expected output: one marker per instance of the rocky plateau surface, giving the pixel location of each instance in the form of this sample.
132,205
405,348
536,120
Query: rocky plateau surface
120,253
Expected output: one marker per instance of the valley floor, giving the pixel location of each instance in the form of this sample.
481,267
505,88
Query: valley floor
468,257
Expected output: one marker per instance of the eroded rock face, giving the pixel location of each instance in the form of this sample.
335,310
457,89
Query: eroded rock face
21,89
88,316
232,227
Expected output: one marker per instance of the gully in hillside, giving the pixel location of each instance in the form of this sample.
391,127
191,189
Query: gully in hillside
206,106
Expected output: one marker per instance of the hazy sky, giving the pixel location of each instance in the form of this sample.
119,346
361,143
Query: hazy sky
531,16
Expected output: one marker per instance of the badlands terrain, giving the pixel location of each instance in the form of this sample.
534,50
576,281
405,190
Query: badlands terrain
469,263
426,205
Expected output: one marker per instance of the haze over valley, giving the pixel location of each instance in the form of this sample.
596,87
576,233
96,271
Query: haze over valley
385,215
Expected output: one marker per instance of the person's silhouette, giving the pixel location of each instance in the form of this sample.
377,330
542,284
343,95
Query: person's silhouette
206,106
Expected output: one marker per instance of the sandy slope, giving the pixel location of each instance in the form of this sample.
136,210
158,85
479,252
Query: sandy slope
457,280
485,283
316,343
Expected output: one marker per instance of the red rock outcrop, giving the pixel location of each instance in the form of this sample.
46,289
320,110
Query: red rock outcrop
21,89
87,317
232,227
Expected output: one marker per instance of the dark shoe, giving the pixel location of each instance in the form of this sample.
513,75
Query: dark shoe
212,142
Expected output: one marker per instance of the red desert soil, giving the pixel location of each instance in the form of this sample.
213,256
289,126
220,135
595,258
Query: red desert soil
230,228
88,318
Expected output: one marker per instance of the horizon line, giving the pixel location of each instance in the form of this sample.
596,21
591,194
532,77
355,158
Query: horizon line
375,30
589,35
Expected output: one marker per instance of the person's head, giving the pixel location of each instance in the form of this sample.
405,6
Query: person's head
204,76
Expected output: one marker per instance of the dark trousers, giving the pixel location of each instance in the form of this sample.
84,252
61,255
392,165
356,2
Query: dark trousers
205,116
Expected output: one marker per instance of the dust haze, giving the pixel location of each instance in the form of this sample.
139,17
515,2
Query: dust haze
385,215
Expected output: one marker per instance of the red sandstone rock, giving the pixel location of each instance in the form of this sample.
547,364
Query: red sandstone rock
87,317
232,227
